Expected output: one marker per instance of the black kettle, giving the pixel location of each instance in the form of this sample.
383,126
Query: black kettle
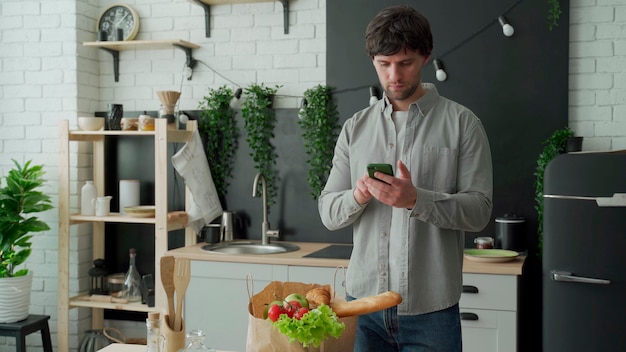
510,233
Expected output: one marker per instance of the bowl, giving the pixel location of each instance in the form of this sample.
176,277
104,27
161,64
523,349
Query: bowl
90,123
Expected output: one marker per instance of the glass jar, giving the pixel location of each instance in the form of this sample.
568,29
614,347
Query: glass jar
196,342
155,341
484,242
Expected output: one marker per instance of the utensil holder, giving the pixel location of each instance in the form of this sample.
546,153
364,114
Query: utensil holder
174,340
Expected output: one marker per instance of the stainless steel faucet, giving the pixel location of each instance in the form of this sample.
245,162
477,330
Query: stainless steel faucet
266,233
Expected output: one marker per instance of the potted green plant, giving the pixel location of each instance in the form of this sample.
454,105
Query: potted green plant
553,146
554,13
19,198
259,121
218,128
319,120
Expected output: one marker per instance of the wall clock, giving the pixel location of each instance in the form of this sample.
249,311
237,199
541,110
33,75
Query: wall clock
119,16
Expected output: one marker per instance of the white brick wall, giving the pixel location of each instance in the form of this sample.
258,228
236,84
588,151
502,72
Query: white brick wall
47,75
597,86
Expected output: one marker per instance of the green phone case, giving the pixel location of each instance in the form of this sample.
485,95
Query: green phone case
384,168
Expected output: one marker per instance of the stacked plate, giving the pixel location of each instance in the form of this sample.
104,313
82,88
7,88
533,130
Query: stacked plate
490,255
140,211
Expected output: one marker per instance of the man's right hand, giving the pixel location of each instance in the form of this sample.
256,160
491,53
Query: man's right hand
361,193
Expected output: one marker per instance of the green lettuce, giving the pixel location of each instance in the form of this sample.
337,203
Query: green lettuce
313,328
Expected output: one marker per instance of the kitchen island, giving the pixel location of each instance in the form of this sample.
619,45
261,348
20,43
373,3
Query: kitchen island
221,284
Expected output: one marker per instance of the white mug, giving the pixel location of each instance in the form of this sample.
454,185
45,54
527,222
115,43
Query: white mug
102,205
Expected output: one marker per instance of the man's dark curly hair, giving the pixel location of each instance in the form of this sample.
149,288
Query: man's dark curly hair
397,28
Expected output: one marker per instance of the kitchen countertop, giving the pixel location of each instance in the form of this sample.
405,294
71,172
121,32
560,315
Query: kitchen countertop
121,347
298,258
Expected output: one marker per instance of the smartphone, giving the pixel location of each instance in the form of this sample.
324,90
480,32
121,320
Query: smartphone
384,168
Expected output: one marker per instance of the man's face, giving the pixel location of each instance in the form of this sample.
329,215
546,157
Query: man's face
400,75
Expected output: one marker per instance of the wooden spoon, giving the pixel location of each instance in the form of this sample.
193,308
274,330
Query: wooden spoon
182,276
167,279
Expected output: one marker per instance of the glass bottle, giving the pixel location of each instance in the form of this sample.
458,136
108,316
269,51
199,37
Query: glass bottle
196,342
154,340
87,194
132,282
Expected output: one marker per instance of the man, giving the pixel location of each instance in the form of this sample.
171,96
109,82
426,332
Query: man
408,229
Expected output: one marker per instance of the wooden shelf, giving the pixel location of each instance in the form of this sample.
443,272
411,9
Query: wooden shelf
81,301
115,47
163,221
174,136
206,5
142,44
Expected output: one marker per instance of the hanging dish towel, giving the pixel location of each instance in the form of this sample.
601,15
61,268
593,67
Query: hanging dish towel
191,163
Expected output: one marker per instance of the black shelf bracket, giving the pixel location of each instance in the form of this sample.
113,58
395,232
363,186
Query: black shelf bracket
191,62
116,62
285,15
207,16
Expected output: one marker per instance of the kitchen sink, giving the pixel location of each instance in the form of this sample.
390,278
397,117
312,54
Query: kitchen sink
249,248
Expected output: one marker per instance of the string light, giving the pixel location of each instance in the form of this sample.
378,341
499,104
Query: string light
440,73
373,95
507,29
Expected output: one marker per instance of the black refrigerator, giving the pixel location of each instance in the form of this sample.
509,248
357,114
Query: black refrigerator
584,253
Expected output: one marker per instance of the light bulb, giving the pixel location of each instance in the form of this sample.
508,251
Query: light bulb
373,95
183,118
440,73
507,29
303,105
235,99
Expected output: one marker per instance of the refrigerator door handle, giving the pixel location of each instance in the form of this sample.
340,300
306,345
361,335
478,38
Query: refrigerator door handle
565,276
617,200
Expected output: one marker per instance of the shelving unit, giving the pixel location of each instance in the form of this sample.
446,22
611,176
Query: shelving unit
206,5
163,220
114,48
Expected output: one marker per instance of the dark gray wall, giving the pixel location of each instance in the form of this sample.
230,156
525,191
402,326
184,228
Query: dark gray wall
517,85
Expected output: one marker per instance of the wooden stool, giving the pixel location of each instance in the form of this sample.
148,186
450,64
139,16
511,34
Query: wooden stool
20,329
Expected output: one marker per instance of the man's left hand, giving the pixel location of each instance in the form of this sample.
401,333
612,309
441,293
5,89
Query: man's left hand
395,191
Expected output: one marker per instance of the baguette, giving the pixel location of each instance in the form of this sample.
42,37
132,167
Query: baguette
366,305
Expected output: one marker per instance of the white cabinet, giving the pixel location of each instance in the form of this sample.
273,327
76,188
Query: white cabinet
489,313
218,295
163,221
216,301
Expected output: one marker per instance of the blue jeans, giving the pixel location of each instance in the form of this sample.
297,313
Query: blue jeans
385,330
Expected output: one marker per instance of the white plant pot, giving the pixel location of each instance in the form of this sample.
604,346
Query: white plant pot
15,298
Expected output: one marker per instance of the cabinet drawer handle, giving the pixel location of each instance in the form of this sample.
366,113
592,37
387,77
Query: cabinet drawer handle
470,289
469,316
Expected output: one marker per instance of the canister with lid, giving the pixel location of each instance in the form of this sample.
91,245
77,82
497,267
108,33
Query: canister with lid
510,232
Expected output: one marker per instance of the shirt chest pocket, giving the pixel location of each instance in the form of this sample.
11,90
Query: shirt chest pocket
438,169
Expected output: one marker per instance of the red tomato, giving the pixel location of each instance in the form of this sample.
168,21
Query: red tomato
274,312
291,307
300,313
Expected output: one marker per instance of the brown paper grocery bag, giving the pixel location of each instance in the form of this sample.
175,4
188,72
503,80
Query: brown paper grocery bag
262,337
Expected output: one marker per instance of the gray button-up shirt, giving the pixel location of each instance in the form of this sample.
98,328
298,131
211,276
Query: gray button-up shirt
447,152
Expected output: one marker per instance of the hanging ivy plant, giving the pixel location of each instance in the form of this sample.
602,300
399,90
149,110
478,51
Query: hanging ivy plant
554,13
319,121
259,121
553,146
218,128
